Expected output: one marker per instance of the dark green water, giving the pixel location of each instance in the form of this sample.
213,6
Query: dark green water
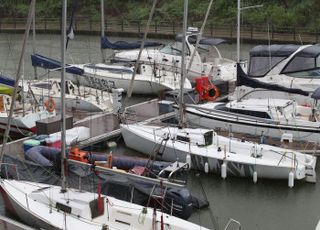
266,205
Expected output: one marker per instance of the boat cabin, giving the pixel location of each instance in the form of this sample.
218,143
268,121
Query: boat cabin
86,210
275,109
292,60
195,136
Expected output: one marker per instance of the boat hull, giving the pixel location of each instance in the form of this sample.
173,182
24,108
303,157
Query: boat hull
238,124
26,124
28,218
213,159
46,207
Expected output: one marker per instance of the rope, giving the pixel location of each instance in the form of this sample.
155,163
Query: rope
212,218
140,51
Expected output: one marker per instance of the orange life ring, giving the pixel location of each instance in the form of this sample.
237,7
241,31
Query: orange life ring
50,104
212,93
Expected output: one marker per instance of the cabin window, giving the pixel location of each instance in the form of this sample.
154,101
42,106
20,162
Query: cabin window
251,113
300,64
43,85
208,138
260,66
303,67
174,49
182,138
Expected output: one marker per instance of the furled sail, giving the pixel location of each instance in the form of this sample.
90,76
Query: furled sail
51,64
123,45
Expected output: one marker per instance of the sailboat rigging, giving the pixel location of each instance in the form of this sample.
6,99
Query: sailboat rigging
204,150
59,207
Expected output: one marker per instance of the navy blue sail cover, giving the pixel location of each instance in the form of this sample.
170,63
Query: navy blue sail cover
123,45
6,81
49,63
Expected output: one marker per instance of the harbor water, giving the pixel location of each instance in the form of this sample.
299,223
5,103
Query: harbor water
268,204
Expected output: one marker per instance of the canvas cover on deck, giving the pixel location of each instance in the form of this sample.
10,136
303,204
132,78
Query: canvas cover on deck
123,45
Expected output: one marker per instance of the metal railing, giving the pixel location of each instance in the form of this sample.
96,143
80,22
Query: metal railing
171,28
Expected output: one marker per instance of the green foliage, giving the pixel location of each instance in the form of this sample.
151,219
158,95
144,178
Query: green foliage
278,13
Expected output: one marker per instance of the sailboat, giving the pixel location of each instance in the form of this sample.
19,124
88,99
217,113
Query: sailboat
150,78
271,117
54,207
26,110
203,149
77,97
169,57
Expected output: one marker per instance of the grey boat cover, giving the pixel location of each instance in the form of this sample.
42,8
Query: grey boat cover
113,184
285,51
273,50
316,94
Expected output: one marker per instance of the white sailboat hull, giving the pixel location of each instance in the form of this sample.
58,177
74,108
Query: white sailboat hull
144,83
303,131
79,98
238,154
45,206
79,104
22,124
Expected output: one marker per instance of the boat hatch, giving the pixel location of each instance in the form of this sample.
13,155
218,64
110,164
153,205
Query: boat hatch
182,138
41,189
208,138
63,207
96,211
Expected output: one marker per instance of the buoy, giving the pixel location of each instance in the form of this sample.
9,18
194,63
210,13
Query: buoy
206,167
188,160
224,170
50,104
255,177
291,180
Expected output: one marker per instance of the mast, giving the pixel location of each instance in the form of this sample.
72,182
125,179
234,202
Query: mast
102,30
182,120
18,75
34,40
199,36
238,31
141,48
238,25
63,91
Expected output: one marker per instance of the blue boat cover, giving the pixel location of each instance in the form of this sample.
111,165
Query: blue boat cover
49,63
7,81
43,155
123,45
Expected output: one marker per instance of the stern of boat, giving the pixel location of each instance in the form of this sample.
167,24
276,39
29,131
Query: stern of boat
310,169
